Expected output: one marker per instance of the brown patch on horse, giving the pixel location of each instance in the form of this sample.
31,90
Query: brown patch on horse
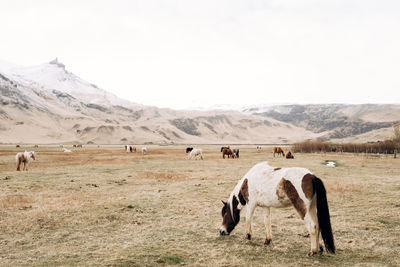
307,185
277,169
244,193
294,197
280,191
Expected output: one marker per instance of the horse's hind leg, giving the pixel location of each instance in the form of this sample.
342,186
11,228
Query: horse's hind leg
267,222
311,221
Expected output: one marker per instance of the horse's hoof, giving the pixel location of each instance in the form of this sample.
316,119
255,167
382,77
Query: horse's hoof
267,242
312,253
248,236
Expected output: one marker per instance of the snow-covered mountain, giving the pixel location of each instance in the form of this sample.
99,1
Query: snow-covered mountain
49,104
53,76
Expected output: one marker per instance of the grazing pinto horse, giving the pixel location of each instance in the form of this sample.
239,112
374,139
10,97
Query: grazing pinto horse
188,149
227,151
196,153
279,151
24,157
144,150
267,187
289,155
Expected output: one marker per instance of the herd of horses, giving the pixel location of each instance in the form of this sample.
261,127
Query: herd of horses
130,148
263,186
234,153
193,153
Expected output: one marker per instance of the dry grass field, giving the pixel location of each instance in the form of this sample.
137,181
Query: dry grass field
102,206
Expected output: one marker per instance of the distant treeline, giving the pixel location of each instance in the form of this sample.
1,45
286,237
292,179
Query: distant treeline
381,147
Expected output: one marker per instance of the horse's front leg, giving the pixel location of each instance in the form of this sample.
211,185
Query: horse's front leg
267,222
249,218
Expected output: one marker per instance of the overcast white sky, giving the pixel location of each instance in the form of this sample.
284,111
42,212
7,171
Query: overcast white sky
190,53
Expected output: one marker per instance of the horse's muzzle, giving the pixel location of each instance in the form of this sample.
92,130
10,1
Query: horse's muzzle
223,232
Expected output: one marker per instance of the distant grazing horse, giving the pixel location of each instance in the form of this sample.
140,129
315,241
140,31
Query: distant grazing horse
36,146
128,148
66,150
24,157
279,151
188,149
289,155
79,145
236,152
223,147
196,153
144,150
258,147
227,151
267,187
17,146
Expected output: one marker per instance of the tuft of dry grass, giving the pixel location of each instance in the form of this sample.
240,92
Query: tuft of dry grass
103,206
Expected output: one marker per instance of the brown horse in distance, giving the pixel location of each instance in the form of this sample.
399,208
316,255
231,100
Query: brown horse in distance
289,155
227,151
279,151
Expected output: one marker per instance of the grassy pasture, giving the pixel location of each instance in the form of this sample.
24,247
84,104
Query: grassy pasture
102,206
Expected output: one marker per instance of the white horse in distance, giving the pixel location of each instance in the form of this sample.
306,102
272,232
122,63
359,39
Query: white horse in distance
196,153
24,157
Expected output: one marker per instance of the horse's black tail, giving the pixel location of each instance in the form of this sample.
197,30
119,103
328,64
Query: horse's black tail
323,215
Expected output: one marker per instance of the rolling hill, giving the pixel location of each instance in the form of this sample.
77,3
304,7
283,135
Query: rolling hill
49,104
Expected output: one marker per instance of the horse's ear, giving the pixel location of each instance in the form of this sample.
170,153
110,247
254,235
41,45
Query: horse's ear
223,202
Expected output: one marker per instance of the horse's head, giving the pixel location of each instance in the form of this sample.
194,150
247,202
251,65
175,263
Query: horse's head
230,216
32,155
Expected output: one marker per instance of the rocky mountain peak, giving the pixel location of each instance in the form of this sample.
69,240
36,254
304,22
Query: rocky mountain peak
57,63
